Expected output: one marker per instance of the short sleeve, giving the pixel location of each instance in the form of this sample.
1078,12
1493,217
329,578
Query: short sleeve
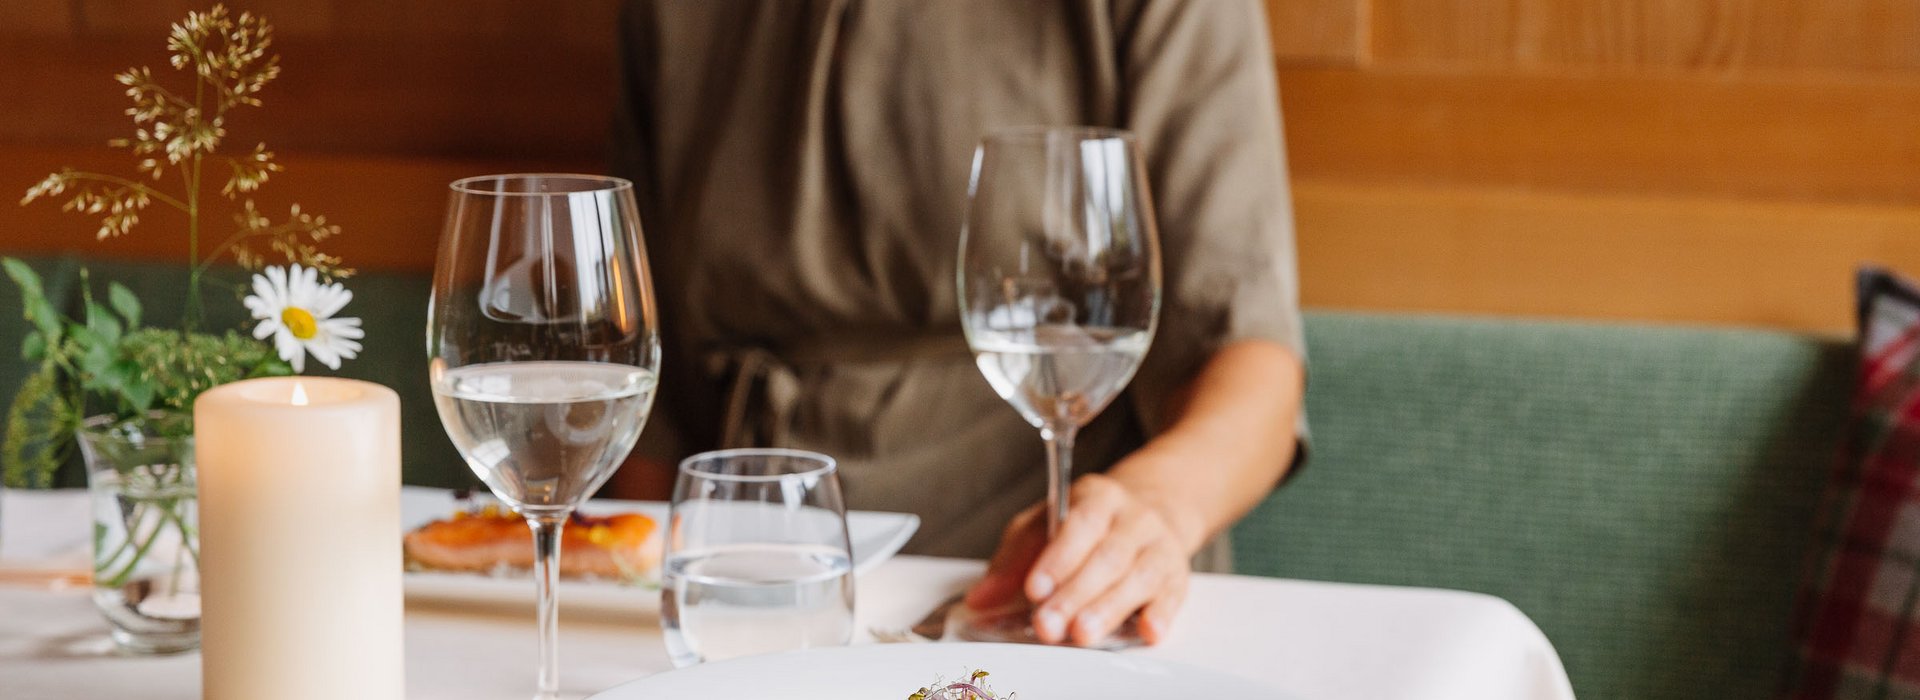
1200,93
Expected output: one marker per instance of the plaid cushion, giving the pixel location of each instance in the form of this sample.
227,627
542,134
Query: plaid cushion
1858,622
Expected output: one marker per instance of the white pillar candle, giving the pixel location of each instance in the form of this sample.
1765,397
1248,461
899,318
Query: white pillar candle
300,560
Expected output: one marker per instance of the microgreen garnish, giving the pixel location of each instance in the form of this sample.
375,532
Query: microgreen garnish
973,688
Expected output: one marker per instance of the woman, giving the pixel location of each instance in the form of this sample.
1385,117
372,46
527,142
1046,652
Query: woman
801,168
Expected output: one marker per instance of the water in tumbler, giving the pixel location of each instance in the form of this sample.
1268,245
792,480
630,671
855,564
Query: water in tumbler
145,574
738,600
544,435
1059,374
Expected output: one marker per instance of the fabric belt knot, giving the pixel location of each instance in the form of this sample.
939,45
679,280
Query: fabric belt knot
763,386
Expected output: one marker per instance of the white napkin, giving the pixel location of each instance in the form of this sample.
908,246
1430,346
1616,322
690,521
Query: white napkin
44,529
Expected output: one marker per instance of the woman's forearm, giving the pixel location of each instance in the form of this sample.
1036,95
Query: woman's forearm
1230,440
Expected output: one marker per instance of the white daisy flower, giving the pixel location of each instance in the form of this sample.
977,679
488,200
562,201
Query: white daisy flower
297,311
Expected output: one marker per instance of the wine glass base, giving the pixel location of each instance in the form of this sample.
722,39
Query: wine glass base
1015,626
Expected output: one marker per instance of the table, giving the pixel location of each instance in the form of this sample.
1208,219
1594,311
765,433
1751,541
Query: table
1315,641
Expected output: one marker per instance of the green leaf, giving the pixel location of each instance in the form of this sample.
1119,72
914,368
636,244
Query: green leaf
24,276
33,299
95,354
33,348
125,303
101,321
83,336
138,394
113,379
271,366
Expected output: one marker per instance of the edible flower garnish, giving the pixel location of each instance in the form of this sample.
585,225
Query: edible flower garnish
973,688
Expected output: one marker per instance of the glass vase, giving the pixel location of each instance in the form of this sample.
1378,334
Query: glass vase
146,545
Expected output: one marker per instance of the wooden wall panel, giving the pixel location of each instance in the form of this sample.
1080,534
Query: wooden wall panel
1685,160
1778,137
1499,251
450,97
1307,32
35,18
1712,35
513,23
390,208
148,20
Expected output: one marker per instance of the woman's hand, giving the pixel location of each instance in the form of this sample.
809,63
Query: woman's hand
1116,554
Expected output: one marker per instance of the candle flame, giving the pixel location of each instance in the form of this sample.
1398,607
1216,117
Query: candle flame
299,394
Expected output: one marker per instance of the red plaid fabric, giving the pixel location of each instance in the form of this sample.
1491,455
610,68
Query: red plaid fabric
1858,622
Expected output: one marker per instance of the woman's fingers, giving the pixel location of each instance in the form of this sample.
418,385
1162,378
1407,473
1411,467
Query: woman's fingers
1113,557
1111,562
1156,620
1158,574
1092,504
1020,544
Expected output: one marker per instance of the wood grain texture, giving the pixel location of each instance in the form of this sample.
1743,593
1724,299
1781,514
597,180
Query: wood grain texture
461,98
1604,256
1307,32
1707,35
1722,161
1754,137
147,20
390,209
36,18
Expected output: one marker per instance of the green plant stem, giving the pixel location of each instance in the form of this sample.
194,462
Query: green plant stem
169,513
242,235
139,551
190,317
172,512
100,563
186,544
173,580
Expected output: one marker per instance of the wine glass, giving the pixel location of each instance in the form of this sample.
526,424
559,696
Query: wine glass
544,350
1059,287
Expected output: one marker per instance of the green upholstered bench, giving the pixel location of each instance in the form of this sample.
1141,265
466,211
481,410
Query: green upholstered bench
1645,494
1642,493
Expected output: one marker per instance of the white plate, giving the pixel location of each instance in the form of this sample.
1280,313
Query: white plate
892,672
875,536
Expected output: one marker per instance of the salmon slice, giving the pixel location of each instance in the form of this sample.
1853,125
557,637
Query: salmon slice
494,539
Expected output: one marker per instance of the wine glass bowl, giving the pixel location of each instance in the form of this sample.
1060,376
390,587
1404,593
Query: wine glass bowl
543,349
1059,288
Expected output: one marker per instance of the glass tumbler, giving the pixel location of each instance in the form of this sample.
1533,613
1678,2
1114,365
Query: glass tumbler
146,542
757,556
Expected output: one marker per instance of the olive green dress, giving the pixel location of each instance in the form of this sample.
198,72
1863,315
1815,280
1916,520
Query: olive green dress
801,168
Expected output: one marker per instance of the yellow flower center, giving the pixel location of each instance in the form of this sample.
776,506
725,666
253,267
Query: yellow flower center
299,322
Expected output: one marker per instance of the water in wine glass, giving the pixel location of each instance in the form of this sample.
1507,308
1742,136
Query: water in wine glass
736,600
1059,374
544,435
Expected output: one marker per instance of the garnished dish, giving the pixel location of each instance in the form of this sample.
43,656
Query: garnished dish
895,670
973,688
491,539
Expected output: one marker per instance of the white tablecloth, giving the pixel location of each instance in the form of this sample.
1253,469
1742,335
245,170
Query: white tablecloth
1315,641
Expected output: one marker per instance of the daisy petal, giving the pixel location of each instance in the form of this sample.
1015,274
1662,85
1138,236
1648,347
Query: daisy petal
344,328
289,349
325,355
332,298
305,287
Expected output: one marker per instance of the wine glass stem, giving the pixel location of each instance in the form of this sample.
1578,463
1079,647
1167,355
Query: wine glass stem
1059,473
546,575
